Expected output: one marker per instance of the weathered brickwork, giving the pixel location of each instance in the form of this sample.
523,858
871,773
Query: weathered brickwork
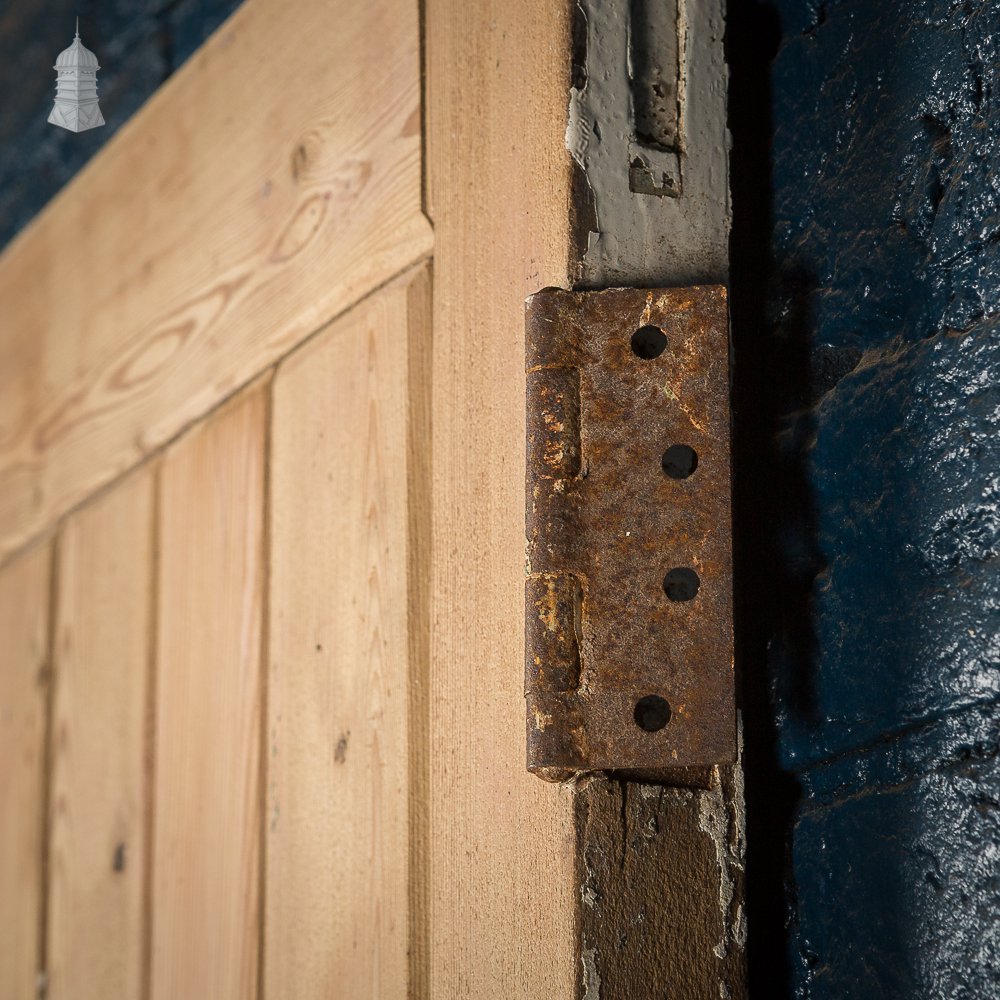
869,342
139,44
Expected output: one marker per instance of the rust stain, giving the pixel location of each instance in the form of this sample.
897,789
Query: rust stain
605,524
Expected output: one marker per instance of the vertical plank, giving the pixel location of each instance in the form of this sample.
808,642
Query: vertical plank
419,523
24,602
502,841
206,842
346,690
275,180
99,798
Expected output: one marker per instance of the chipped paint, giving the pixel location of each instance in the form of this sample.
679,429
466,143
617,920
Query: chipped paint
591,977
724,823
542,720
649,880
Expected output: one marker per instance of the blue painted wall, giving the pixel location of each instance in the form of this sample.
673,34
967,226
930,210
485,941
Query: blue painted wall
866,295
139,43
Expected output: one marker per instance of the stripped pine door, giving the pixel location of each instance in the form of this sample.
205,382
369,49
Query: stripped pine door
347,672
101,754
261,533
25,596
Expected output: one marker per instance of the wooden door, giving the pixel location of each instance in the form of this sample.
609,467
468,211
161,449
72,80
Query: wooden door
261,530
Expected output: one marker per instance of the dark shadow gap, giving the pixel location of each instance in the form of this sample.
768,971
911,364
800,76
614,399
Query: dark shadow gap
770,495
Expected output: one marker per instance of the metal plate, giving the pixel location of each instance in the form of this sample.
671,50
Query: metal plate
614,640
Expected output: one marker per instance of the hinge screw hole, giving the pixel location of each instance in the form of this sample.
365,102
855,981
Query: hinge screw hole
681,584
651,713
648,342
679,461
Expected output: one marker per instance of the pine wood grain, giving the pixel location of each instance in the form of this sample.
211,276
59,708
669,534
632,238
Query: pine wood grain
346,689
502,897
24,606
206,840
268,185
99,798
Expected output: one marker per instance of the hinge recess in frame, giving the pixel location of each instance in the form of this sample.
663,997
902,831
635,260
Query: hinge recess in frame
628,598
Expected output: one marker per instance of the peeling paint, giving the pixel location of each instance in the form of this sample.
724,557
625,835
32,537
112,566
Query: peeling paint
591,977
712,821
722,819
542,720
649,879
579,131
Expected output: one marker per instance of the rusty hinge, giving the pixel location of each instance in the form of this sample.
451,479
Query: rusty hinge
628,600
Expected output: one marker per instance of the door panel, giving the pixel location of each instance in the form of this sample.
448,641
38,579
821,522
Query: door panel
346,736
270,184
209,689
24,685
287,741
101,751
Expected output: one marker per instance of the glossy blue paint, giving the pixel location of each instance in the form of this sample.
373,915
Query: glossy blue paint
903,456
897,866
880,535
